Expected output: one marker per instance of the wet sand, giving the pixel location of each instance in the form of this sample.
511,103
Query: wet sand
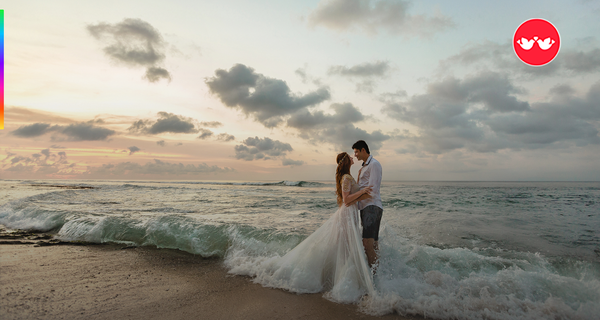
69,281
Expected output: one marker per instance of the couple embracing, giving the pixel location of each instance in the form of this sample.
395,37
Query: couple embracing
338,257
365,193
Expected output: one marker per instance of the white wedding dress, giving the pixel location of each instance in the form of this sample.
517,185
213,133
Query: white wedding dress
331,259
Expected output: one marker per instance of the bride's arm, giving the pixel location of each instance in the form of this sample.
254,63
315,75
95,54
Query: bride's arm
350,199
364,196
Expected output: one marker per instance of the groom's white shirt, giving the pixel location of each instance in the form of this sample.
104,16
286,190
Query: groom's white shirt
370,175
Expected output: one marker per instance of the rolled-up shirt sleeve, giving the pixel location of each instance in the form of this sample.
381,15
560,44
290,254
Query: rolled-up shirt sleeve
375,176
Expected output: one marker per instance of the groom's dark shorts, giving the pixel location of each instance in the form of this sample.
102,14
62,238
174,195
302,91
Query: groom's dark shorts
370,217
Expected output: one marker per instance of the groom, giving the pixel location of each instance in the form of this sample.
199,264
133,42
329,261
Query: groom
371,209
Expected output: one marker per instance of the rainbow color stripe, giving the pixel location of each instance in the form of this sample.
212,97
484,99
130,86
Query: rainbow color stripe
2,69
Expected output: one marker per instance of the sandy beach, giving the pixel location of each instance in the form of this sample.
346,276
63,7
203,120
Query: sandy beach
45,280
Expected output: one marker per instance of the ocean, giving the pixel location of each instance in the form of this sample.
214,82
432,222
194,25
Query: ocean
448,250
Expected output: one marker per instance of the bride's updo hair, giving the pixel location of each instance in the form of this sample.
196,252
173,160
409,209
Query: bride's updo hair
344,162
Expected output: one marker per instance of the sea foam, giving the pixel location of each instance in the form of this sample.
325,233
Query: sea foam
413,278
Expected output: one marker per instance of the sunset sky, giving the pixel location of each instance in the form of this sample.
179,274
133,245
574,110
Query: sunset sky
273,90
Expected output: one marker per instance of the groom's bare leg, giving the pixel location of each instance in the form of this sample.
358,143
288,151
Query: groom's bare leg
370,247
376,247
370,218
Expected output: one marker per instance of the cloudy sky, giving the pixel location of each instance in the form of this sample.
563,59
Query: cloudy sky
273,90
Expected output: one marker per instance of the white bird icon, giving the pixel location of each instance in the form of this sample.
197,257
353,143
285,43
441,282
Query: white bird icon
526,44
546,44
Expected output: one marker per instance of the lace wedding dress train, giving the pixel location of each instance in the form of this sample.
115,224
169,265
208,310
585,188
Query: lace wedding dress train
331,259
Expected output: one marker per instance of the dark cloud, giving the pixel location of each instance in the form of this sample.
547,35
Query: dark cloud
271,104
365,70
161,143
158,167
302,74
268,100
290,162
46,153
62,156
541,128
17,158
306,78
74,132
8,154
562,90
133,149
474,53
225,137
154,74
366,86
373,15
491,89
43,163
442,115
204,134
257,148
337,129
345,113
167,122
366,73
564,117
393,96
481,113
32,130
134,43
211,124
582,62
446,102
139,127
498,56
85,132
344,136
501,57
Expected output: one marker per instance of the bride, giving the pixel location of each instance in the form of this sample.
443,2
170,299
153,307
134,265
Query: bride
332,259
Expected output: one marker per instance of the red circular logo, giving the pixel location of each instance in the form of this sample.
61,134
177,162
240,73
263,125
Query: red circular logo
536,42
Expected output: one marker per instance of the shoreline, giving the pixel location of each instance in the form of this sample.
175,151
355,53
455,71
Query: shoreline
50,279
